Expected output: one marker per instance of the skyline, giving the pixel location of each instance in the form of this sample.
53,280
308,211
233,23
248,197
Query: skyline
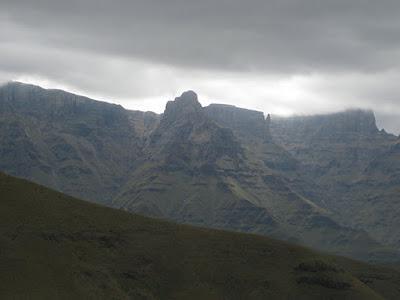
279,57
205,103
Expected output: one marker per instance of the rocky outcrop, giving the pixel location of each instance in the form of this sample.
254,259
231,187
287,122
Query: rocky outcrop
246,123
183,109
329,145
187,138
68,142
343,126
352,161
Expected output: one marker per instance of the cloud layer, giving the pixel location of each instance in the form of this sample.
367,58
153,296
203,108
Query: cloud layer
283,56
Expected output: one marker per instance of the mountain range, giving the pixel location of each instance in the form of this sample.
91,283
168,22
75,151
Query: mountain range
330,182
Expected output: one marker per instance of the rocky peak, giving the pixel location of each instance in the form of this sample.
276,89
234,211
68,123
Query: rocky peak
186,136
186,106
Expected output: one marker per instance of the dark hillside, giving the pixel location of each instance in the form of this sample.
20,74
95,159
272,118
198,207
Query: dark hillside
54,246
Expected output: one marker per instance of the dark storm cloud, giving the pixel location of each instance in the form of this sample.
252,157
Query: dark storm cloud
91,39
280,36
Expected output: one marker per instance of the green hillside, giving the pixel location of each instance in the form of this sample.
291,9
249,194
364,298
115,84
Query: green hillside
54,246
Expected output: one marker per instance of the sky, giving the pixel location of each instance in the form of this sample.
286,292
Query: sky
282,57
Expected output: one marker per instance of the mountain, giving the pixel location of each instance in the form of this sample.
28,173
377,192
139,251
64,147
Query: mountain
217,166
71,143
358,165
201,170
57,247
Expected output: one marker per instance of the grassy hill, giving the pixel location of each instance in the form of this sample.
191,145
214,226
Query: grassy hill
54,246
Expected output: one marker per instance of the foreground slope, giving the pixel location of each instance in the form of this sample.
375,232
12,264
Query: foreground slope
54,246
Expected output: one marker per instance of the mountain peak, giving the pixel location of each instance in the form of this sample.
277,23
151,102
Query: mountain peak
188,96
186,105
187,99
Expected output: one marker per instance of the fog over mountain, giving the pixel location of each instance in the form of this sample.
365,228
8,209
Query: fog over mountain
285,57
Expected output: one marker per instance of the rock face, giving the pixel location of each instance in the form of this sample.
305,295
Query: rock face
217,166
344,126
67,142
185,174
342,142
354,162
186,137
183,109
246,123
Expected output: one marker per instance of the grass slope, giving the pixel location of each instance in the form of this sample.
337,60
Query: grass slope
54,246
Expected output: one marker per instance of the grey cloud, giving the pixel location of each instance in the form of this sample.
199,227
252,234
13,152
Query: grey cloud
277,36
130,49
388,121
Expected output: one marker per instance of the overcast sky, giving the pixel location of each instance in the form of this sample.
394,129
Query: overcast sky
282,57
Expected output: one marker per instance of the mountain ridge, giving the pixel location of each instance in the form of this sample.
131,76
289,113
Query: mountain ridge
217,166
230,106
